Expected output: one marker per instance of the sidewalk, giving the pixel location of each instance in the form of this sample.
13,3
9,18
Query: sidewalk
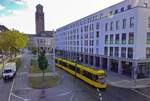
122,81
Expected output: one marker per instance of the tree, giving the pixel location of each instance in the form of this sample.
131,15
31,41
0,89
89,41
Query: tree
34,50
42,61
11,41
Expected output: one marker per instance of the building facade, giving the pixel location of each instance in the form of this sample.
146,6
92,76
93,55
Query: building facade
116,39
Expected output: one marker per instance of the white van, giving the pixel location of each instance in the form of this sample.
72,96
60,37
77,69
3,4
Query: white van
9,71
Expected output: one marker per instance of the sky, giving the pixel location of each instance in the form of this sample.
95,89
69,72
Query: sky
20,14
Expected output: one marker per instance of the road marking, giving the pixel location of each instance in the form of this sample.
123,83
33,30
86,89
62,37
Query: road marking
113,82
97,89
63,94
20,97
12,86
27,88
17,96
100,95
72,97
141,93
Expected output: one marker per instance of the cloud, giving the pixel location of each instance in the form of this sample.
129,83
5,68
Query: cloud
1,7
7,7
19,2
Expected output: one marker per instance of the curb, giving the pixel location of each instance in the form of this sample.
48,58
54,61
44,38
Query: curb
129,87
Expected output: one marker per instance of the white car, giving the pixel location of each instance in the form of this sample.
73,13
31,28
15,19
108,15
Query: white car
9,71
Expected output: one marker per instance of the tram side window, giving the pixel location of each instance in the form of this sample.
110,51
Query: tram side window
77,70
72,67
95,77
63,63
87,74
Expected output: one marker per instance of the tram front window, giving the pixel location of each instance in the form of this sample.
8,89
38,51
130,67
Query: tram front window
101,79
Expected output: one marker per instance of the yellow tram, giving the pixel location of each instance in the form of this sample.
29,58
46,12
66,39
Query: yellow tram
94,77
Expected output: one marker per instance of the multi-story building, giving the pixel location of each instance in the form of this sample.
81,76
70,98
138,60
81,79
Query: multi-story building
116,39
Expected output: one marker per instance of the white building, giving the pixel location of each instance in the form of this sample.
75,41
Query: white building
116,39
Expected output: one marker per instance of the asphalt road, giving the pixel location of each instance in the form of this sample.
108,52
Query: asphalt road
68,89
4,90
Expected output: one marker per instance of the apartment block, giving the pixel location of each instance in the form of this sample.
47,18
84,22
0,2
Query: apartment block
116,39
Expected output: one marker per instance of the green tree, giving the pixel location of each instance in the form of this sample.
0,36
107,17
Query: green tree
11,41
42,61
34,50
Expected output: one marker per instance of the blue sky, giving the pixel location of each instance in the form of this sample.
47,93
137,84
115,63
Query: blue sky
20,14
8,6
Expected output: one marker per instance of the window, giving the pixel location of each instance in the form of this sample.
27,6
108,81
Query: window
131,38
145,5
131,22
106,27
92,42
122,9
123,52
106,51
116,11
97,42
97,25
97,50
148,22
124,23
111,51
106,39
110,13
97,34
111,39
148,52
77,42
111,26
92,27
117,25
117,39
116,51
148,38
129,7
123,38
81,29
130,53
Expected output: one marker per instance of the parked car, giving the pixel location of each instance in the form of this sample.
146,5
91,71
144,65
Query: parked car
9,71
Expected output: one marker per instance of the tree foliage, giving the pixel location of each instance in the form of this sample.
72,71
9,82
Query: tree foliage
43,62
34,50
12,40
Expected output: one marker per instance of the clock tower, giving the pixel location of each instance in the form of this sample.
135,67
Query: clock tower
39,19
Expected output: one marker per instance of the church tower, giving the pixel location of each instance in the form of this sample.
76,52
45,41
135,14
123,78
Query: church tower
39,19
